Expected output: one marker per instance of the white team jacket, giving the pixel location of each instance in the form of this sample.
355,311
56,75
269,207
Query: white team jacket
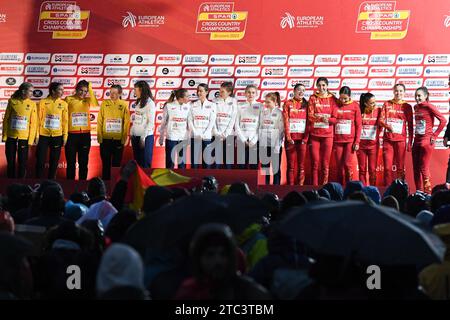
202,119
247,122
175,121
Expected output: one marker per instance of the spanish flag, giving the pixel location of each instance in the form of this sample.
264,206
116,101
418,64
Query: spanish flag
137,184
169,178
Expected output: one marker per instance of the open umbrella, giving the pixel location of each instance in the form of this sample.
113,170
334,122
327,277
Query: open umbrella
372,234
175,223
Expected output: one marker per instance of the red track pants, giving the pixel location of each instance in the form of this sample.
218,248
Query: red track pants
421,155
320,149
343,159
367,161
393,153
295,154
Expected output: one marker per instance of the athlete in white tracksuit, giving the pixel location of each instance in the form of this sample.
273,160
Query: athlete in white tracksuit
201,120
174,126
271,135
225,121
247,126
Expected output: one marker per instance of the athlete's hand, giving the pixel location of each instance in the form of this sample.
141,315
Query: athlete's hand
161,140
432,140
355,147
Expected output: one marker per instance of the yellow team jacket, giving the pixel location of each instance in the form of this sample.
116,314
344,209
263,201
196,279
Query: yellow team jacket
20,121
53,118
79,121
113,121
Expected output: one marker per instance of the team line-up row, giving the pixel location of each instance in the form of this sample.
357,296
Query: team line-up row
325,123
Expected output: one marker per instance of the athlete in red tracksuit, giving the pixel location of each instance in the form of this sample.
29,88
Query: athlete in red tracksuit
397,116
322,108
347,131
424,138
369,139
295,115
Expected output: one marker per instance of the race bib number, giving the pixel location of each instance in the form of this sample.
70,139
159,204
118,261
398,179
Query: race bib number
79,119
113,125
138,119
421,126
178,124
19,123
396,124
297,125
201,122
343,127
369,132
52,122
321,125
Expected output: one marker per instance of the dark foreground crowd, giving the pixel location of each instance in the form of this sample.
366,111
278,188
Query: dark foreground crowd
208,243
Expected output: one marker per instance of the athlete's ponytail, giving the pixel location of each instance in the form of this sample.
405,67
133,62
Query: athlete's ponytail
176,94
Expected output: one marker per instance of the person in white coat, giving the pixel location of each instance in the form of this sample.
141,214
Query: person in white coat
226,106
201,120
174,126
271,134
247,126
143,124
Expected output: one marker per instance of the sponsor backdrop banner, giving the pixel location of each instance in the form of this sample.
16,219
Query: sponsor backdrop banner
367,45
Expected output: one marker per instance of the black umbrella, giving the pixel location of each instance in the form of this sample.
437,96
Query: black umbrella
176,223
373,234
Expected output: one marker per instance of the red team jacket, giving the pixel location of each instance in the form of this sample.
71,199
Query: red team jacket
424,115
317,107
370,129
398,115
295,115
348,123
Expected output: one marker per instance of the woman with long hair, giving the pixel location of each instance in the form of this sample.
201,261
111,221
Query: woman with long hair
53,129
295,112
322,108
174,128
19,129
143,124
424,138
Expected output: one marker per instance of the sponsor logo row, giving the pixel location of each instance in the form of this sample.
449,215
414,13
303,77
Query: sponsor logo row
239,83
223,59
224,71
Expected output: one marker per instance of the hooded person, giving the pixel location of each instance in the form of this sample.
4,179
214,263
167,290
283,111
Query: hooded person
324,194
351,187
74,211
441,216
213,254
51,208
435,279
120,275
16,280
415,203
400,190
391,202
372,193
425,217
336,191
292,199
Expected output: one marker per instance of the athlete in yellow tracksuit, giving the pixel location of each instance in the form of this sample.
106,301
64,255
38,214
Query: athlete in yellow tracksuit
19,129
52,133
113,123
79,138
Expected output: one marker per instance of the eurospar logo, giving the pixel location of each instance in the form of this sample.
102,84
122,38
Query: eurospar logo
133,21
290,21
382,20
221,21
64,19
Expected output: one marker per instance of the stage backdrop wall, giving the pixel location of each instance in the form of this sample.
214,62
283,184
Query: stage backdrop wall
367,45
